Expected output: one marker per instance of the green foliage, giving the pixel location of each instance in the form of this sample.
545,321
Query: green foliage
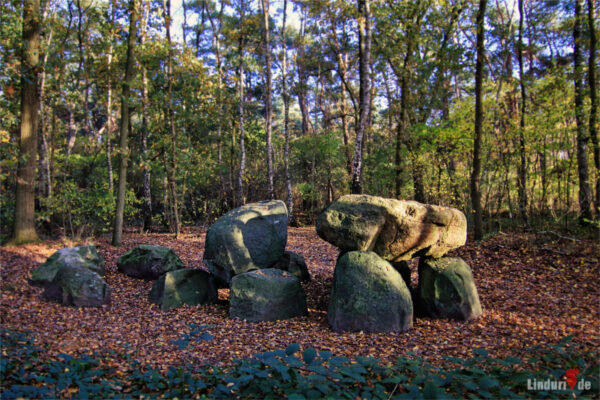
294,374
196,333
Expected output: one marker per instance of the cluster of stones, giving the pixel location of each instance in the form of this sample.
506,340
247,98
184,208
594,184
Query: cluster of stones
371,286
245,250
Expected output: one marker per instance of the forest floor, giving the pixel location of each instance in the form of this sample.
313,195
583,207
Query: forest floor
534,289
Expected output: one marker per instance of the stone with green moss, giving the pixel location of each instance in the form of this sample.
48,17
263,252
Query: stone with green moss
184,286
77,286
368,295
81,256
149,262
394,229
447,289
247,238
266,295
294,264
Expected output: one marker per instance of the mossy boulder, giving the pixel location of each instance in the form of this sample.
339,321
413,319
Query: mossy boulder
149,262
247,238
447,289
184,286
266,295
294,264
394,229
81,256
77,286
368,295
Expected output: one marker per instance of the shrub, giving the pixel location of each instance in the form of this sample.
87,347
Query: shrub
292,373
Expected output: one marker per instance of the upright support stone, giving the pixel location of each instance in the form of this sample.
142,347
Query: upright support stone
368,295
447,289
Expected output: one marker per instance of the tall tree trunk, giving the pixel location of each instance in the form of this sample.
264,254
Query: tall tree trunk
522,191
268,100
172,167
147,207
240,176
216,32
475,174
45,179
346,134
24,219
109,120
286,118
594,100
582,134
125,121
302,79
364,37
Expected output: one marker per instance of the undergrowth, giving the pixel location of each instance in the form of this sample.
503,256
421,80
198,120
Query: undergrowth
294,374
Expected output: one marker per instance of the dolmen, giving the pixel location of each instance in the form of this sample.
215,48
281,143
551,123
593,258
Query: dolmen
371,284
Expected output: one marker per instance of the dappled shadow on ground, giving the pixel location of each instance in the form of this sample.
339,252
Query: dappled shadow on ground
533,289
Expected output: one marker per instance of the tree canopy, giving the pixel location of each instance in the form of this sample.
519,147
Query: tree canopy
225,102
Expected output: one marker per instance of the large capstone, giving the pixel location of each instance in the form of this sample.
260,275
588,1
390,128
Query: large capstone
247,238
368,295
184,286
266,295
77,286
81,256
294,264
149,262
394,229
447,289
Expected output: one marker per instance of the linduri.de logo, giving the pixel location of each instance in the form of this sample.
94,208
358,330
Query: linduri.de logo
570,380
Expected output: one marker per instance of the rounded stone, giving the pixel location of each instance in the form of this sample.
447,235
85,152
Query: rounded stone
368,295
247,238
266,295
149,262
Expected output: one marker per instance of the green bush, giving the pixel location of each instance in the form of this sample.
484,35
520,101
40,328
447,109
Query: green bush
292,373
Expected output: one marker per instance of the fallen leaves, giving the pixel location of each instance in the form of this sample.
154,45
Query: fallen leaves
529,295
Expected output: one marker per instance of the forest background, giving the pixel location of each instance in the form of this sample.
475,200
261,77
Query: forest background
487,106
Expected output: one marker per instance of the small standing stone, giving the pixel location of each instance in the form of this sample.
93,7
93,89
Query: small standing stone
149,262
266,295
447,289
184,286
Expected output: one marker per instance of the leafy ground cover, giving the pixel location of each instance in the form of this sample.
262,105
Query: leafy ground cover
535,289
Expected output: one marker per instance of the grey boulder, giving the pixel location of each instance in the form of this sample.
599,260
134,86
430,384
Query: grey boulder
447,289
183,286
77,286
247,238
266,295
81,256
368,295
149,262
